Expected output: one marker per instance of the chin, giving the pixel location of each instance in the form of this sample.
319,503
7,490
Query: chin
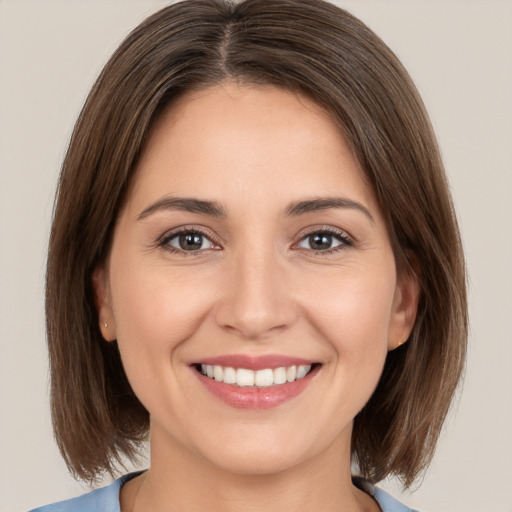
259,463
264,454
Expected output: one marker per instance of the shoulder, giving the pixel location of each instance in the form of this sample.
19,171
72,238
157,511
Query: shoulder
386,502
105,499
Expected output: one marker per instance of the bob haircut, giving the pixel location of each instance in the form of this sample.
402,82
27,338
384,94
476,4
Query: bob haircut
306,46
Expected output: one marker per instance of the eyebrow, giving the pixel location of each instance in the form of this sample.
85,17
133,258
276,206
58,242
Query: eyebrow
214,209
184,204
326,203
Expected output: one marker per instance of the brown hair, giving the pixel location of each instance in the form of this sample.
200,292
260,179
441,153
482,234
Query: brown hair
309,46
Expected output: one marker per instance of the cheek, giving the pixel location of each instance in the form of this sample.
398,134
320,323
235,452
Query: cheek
353,313
353,309
155,311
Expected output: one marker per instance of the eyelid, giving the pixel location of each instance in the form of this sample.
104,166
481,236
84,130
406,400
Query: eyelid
163,240
346,239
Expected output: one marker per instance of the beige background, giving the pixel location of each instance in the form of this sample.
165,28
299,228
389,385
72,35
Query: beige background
459,52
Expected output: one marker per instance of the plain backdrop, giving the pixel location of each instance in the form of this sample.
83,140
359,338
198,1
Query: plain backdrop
459,52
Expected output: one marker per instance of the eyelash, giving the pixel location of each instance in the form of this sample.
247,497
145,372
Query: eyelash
341,236
164,242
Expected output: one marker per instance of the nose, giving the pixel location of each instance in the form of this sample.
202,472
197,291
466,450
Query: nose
256,302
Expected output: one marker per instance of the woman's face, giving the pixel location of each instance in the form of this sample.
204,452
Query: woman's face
251,248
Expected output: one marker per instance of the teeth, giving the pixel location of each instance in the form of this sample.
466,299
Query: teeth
302,371
218,373
280,375
229,375
264,378
261,378
291,373
244,377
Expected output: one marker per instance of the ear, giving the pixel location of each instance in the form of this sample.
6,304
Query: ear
405,309
100,284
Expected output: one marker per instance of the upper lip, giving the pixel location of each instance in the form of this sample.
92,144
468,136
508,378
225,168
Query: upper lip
254,362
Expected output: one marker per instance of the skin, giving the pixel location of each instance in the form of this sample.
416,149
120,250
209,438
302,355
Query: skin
255,287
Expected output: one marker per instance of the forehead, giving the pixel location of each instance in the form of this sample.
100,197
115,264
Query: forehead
247,138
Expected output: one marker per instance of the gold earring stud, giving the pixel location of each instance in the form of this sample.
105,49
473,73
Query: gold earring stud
105,324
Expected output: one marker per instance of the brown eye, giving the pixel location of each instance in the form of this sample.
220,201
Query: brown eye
324,241
320,241
189,241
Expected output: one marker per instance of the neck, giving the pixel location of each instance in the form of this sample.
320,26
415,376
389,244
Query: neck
181,480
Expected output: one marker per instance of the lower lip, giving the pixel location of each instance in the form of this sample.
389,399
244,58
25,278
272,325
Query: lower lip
254,397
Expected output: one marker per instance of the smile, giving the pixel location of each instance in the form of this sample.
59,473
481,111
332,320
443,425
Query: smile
263,378
264,382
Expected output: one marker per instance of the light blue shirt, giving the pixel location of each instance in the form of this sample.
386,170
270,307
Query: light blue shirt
106,499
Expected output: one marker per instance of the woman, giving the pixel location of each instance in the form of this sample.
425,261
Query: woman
254,259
